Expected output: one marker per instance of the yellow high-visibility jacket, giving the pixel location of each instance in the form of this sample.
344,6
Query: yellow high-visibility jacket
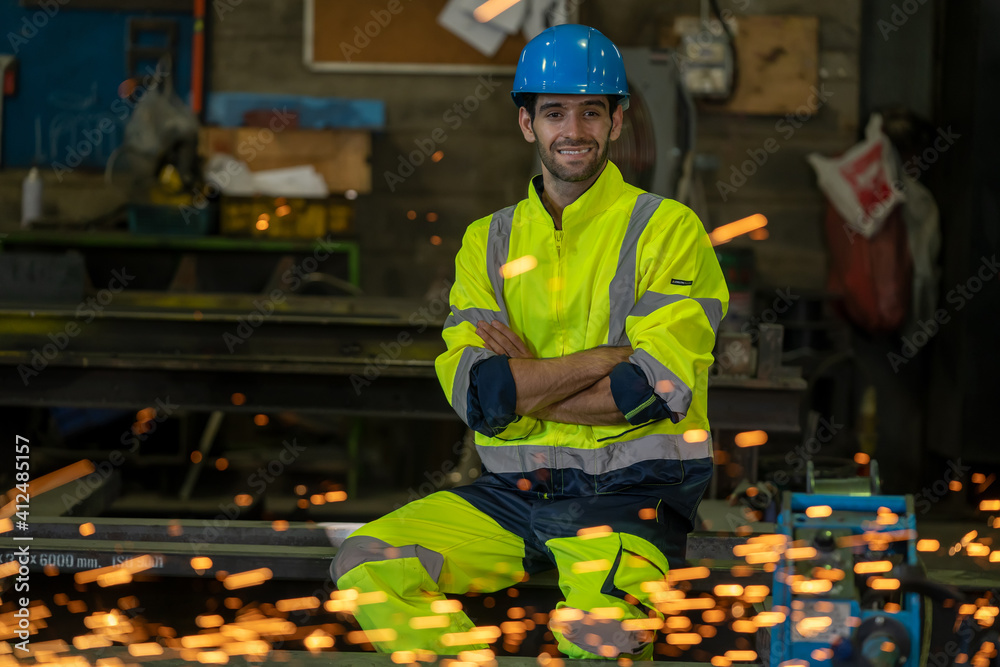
628,268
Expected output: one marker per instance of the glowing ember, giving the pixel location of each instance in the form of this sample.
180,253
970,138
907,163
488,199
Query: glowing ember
423,622
766,619
599,565
695,435
249,578
688,573
741,656
596,531
870,567
201,563
751,438
818,511
297,604
145,649
518,266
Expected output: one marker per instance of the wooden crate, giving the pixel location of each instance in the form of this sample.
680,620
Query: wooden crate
342,157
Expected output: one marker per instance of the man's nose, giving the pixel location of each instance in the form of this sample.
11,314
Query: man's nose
573,128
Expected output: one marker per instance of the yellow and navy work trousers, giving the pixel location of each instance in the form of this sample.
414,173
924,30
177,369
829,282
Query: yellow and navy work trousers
485,537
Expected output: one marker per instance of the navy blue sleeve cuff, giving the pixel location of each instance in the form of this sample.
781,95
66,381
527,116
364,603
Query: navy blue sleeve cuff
634,397
492,396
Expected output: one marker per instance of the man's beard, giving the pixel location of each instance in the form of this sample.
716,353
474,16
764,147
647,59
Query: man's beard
576,173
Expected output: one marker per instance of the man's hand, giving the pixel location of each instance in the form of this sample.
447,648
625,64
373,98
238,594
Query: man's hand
594,406
542,382
499,339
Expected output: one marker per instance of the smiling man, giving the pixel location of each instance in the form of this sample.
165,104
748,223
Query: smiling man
581,333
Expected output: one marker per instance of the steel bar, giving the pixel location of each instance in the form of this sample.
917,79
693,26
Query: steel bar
298,552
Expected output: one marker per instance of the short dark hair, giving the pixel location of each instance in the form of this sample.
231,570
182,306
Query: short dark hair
530,102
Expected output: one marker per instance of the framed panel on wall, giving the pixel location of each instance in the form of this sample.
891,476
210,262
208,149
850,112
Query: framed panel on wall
395,36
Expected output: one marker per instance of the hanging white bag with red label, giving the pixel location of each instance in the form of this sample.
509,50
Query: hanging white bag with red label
862,184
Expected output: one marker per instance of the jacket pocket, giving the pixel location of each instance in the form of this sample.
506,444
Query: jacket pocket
608,434
660,472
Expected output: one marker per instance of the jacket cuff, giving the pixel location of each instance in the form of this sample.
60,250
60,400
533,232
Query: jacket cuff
492,396
634,397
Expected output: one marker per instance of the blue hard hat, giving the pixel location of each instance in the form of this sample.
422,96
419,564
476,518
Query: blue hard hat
570,59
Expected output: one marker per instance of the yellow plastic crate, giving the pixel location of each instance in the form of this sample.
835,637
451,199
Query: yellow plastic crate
285,217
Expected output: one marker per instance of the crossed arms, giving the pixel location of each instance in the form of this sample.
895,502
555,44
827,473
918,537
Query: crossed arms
575,389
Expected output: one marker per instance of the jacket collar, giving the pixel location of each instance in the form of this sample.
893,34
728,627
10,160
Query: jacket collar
598,197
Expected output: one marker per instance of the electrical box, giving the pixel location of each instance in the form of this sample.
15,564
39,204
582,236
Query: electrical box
706,56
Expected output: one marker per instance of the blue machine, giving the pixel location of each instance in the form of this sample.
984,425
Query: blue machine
843,604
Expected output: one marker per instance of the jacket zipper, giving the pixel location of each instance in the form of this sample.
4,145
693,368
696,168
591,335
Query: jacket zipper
559,295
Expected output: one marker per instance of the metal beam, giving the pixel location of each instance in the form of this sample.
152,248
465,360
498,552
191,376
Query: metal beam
208,390
300,552
362,357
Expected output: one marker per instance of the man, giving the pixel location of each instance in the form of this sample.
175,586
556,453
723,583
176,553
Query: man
581,333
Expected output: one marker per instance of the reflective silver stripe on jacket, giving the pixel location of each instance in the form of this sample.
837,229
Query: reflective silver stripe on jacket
497,251
364,549
471,315
650,302
524,458
460,390
673,390
622,288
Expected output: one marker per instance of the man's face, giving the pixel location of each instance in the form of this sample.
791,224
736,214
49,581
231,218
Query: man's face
572,134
